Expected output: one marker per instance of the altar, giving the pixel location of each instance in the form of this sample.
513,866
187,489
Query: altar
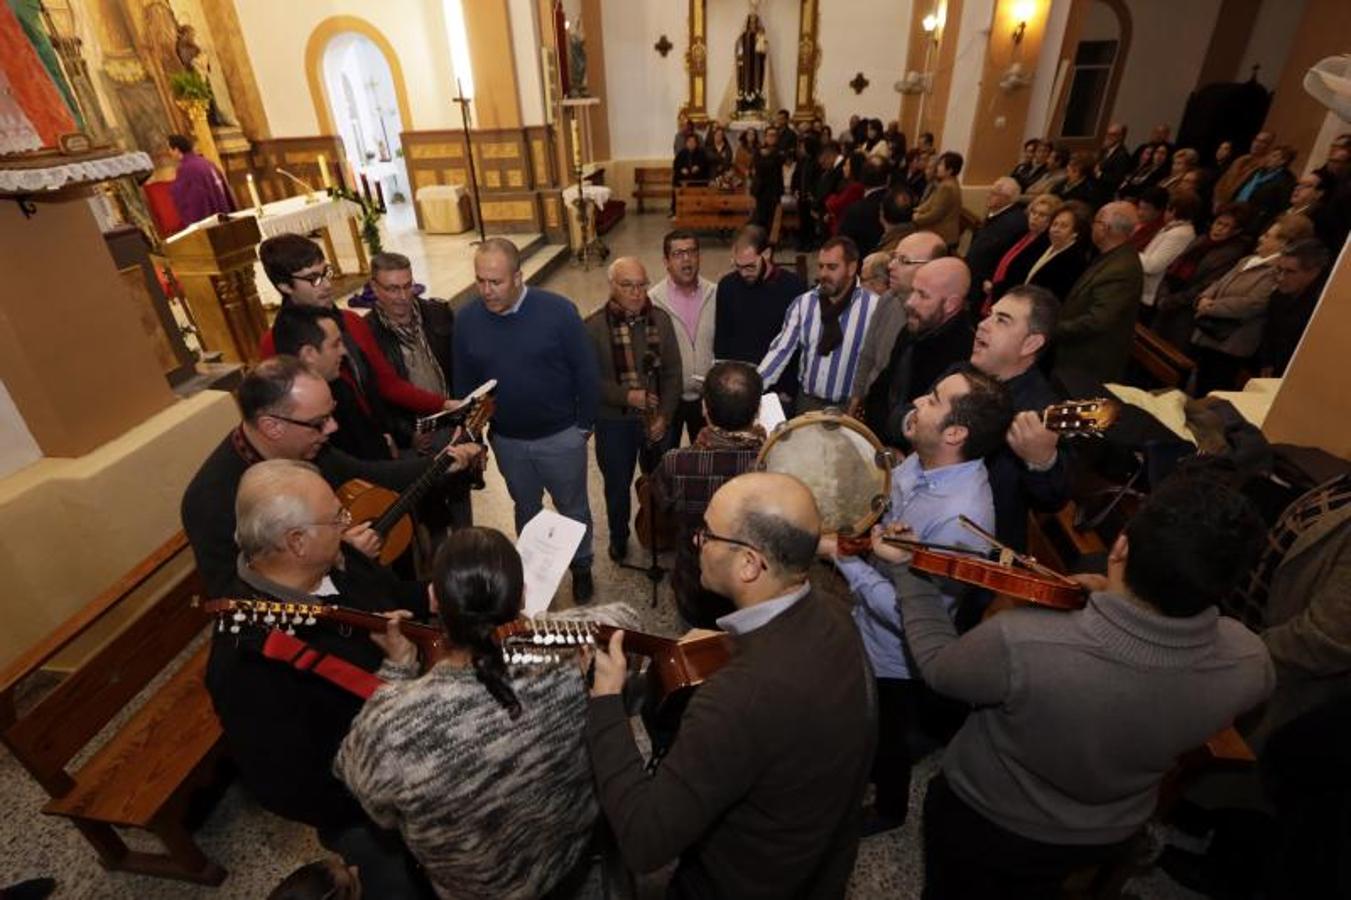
298,215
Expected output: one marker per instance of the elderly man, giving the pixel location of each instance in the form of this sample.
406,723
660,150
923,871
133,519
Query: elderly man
1238,172
937,335
911,252
1005,222
1114,160
287,413
639,383
1097,319
688,477
826,326
873,273
752,299
1269,186
761,795
691,302
282,724
533,343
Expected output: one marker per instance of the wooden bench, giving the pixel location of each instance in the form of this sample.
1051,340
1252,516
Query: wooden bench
704,209
143,776
1160,360
651,183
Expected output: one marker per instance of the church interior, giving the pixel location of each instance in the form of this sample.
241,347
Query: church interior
152,150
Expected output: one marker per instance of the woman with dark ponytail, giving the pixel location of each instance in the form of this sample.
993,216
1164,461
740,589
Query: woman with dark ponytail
481,766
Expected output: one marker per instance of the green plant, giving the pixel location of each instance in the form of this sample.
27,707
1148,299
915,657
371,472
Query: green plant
371,214
190,86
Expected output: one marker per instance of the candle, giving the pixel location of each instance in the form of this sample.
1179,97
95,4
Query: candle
253,194
576,145
380,195
323,172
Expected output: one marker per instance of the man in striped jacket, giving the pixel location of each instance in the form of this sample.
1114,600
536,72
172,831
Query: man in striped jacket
827,325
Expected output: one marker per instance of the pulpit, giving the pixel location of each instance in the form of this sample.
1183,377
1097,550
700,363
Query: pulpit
214,263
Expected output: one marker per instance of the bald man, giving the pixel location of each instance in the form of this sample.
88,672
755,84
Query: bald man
1005,222
760,797
1097,317
1114,160
911,252
937,335
639,381
282,725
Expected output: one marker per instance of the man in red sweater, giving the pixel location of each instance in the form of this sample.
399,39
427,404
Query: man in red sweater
296,267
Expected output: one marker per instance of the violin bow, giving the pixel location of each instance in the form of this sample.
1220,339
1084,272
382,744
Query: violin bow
1007,552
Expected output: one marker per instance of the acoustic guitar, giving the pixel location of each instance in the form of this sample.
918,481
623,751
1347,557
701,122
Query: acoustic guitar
390,513
676,666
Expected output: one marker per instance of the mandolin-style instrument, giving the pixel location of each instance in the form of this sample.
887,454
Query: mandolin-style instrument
676,666
390,513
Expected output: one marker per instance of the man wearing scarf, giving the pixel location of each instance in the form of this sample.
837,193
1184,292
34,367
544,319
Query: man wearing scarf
827,325
640,385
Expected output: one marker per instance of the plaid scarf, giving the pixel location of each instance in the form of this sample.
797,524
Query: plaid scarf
629,371
424,370
1248,603
711,437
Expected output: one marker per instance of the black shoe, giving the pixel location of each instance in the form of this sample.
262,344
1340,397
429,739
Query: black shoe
32,889
619,550
583,588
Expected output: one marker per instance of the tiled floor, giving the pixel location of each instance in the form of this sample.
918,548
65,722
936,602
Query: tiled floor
258,849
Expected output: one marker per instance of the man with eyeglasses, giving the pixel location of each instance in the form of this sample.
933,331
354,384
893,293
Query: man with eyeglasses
760,795
752,299
691,302
911,252
287,413
296,267
1299,284
639,384
285,702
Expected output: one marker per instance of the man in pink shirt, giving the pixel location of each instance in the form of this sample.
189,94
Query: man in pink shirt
692,304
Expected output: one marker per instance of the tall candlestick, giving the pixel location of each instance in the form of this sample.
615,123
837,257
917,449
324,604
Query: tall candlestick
576,143
324,177
253,194
380,196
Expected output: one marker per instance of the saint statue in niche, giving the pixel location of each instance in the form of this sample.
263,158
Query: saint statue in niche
752,52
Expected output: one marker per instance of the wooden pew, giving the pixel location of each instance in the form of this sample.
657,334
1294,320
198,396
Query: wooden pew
704,209
143,776
652,183
1160,360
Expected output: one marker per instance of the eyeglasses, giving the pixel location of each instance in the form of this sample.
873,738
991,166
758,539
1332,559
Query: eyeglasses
312,424
632,285
324,274
342,520
703,534
908,261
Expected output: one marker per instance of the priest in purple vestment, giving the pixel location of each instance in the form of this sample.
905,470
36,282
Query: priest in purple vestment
199,190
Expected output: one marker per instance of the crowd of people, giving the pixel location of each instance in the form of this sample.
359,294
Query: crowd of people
469,775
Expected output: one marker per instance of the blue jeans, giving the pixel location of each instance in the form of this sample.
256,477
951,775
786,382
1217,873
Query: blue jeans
556,463
619,445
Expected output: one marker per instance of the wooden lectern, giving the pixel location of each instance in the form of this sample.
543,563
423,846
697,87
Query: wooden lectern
214,263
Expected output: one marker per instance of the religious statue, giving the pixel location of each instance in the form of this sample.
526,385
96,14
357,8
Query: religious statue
577,60
752,51
194,60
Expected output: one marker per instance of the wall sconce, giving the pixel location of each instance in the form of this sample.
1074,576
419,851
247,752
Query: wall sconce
1022,11
930,23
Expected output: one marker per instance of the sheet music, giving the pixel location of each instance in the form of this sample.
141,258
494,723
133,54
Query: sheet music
546,544
771,412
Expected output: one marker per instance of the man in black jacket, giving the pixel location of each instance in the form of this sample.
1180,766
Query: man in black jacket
829,177
1030,470
1269,187
287,413
863,220
284,712
1005,222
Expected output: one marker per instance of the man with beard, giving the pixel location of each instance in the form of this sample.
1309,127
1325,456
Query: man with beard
913,251
937,334
752,299
826,325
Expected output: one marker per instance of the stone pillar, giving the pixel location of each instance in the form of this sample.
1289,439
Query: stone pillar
805,107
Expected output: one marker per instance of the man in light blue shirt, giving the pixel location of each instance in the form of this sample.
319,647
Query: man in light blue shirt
952,428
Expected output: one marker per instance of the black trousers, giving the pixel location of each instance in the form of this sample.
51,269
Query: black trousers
966,855
689,415
897,705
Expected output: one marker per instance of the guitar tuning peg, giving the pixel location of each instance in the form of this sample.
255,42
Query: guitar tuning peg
290,630
269,619
239,616
234,629
220,626
310,620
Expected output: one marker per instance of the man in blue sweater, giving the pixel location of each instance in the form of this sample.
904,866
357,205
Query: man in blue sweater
534,344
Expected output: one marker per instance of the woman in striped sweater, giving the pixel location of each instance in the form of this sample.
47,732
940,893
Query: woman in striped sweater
481,767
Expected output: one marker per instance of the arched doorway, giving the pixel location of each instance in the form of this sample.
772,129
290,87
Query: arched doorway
1097,60
357,86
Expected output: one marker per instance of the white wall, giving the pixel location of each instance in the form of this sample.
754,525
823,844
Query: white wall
1269,45
17,447
1042,101
645,90
973,36
525,41
1168,46
276,34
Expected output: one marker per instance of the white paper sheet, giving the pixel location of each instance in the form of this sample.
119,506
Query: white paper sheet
771,412
546,544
